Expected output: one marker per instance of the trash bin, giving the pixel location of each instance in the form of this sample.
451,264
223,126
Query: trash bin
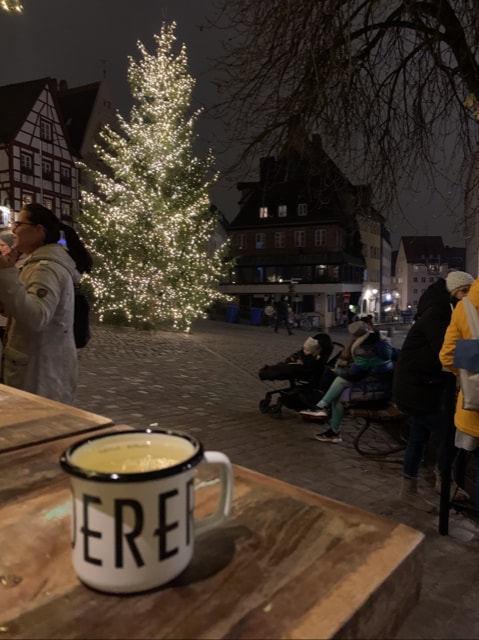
256,316
232,312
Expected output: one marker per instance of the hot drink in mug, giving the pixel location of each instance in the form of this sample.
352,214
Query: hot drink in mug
133,506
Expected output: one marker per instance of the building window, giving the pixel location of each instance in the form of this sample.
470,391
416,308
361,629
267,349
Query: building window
27,198
260,240
240,241
26,163
47,173
279,240
263,212
66,209
414,290
423,279
416,267
299,237
46,130
48,203
65,175
414,279
302,209
320,237
282,211
431,279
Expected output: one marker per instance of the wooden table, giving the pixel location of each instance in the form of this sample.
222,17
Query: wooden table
288,564
26,419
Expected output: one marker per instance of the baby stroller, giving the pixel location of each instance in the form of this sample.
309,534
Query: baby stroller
306,384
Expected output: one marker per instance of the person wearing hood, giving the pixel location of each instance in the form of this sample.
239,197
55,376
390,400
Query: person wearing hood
39,354
466,421
419,381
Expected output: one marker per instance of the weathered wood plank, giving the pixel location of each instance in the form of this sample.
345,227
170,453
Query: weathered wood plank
288,564
26,418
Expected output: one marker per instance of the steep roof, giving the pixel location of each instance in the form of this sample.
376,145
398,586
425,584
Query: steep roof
76,105
16,102
419,248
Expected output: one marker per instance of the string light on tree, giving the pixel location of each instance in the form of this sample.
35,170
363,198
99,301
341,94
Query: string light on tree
149,221
11,5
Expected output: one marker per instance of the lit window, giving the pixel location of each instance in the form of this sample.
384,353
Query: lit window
282,211
302,209
263,212
48,203
27,198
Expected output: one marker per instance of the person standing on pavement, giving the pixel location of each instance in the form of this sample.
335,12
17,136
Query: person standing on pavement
282,312
466,421
39,354
419,380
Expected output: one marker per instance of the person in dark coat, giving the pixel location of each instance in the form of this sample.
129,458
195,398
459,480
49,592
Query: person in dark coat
282,311
419,384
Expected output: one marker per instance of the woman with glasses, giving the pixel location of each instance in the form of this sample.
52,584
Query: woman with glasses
40,354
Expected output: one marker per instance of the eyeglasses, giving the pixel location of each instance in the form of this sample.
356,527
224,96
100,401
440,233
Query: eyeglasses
17,223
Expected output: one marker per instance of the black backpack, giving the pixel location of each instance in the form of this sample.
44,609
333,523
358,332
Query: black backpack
81,319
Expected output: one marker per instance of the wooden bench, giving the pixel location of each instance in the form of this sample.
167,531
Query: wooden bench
389,418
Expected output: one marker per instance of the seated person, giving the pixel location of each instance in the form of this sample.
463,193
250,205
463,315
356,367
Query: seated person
306,364
368,354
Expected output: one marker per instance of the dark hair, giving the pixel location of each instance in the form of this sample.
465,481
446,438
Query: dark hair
77,249
38,214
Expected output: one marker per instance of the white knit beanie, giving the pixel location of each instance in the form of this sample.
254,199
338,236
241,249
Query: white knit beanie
457,279
311,345
358,328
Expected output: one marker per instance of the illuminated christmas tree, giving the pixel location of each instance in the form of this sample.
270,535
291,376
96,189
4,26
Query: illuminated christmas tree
149,220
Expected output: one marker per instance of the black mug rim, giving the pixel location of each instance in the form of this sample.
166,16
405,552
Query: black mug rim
67,464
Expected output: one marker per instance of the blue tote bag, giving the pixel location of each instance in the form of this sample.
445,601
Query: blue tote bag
466,359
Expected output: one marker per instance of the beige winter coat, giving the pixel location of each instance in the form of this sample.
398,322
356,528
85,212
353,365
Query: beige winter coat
40,354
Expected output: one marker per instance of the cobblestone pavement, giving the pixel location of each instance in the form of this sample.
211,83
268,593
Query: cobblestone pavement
206,383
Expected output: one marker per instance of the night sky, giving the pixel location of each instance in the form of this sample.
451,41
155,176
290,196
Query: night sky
80,41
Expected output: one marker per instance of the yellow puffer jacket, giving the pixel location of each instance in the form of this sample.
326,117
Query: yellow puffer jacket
465,420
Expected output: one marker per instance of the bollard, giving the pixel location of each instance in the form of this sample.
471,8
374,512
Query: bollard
390,332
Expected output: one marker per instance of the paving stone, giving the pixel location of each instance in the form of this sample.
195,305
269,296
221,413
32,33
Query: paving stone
206,382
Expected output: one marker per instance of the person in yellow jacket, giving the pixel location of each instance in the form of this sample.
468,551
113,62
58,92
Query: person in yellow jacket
466,421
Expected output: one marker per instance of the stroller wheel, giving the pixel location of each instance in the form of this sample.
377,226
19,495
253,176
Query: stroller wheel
264,406
275,411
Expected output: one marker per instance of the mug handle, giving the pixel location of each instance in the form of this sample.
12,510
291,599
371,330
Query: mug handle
226,496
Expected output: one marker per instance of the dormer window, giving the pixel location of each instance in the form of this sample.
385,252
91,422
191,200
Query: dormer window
263,212
282,211
302,209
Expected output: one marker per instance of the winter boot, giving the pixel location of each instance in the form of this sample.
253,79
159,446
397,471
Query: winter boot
410,496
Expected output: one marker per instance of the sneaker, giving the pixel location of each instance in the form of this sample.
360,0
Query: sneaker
328,436
314,413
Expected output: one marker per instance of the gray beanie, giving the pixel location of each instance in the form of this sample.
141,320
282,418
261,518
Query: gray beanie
457,279
311,345
7,237
358,328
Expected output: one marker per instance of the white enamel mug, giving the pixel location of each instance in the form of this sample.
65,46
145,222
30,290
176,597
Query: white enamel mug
133,506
